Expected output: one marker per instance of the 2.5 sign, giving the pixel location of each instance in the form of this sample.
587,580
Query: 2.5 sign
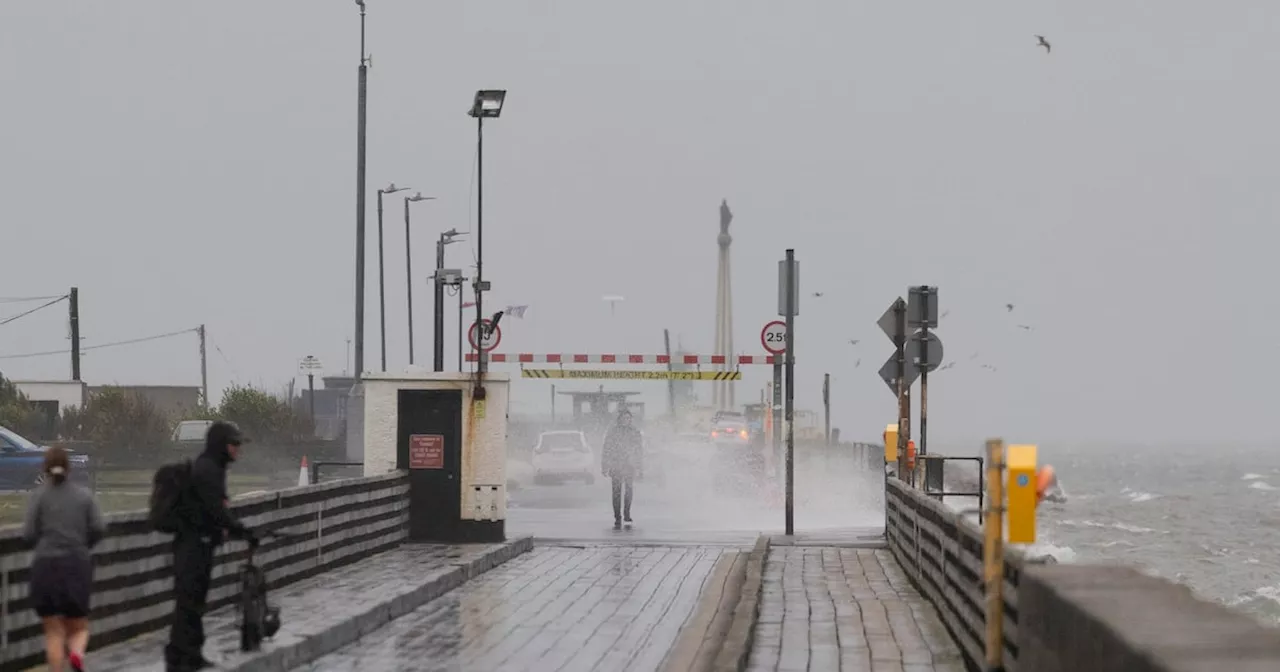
774,337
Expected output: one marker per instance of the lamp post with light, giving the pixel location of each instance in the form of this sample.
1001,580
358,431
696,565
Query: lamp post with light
487,104
382,275
408,262
446,237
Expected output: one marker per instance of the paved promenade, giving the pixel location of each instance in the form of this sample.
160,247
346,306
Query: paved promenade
556,608
851,609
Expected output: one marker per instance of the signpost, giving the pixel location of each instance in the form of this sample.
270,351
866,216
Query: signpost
492,335
774,339
922,313
789,307
308,366
896,374
914,357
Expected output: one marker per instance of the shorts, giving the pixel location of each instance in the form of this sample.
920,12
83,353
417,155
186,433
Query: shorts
61,586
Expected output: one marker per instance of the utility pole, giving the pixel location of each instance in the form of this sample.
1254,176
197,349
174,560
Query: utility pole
826,408
204,370
792,287
73,310
438,309
408,273
362,88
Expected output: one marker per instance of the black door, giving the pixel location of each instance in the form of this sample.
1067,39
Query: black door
429,445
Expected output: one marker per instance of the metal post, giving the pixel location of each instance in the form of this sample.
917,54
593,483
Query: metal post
74,317
776,410
904,402
483,365
826,408
671,382
553,405
460,295
382,287
438,310
204,370
924,363
362,89
311,393
789,411
408,275
993,556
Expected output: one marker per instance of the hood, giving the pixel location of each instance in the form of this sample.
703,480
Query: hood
218,438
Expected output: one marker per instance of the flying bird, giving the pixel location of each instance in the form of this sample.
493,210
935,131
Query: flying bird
946,366
973,356
857,363
854,341
944,314
1008,307
1043,43
989,367
1024,327
817,295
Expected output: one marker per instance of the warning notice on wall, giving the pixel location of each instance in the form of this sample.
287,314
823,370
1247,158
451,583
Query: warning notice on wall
426,451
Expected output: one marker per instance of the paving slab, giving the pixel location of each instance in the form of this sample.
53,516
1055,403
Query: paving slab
325,612
848,609
585,607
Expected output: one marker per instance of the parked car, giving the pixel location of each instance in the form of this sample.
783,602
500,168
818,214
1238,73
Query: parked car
563,455
22,463
190,433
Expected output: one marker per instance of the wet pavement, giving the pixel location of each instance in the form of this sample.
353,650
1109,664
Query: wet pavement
588,607
849,609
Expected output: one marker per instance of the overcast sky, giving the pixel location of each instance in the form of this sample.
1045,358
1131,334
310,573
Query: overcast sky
194,163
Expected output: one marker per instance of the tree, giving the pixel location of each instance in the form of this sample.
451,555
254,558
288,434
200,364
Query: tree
114,417
261,415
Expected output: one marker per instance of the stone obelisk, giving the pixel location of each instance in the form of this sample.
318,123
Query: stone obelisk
722,391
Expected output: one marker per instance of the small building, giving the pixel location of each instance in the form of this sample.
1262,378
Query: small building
51,397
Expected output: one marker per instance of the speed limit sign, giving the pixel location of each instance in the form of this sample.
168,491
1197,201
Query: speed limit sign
774,337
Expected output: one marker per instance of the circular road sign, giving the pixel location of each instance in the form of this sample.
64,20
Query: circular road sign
495,336
774,337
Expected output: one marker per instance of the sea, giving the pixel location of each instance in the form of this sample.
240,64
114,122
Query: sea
1204,516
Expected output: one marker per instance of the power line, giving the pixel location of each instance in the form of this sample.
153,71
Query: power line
131,341
41,307
25,299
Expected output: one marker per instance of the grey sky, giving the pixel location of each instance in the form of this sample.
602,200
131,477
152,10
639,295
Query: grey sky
189,163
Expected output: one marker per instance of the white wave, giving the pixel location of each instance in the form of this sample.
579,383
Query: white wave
1261,485
1044,550
1140,497
1123,527
1251,477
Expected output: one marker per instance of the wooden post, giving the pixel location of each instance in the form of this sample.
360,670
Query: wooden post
993,556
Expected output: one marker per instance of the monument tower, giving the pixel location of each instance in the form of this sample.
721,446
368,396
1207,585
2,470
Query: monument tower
722,391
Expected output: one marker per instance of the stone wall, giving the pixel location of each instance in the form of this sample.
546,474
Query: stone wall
337,523
1064,618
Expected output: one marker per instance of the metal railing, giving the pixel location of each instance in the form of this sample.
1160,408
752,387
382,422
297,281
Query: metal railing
934,483
315,468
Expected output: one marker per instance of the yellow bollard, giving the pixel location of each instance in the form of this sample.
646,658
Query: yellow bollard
891,444
1022,498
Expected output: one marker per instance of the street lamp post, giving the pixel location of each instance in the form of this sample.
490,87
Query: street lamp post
487,104
438,307
382,275
361,125
408,262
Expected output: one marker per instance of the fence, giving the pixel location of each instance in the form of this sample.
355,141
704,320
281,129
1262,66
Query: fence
942,554
340,522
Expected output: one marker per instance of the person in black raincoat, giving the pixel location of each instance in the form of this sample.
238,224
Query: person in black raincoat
206,523
622,461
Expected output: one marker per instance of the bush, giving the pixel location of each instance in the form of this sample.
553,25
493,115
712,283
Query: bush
17,413
262,416
117,418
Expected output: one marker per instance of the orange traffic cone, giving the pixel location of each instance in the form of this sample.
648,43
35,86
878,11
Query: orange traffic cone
304,476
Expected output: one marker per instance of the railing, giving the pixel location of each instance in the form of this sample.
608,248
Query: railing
942,554
315,468
935,467
338,523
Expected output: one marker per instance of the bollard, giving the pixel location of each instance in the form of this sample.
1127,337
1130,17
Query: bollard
993,556
1020,463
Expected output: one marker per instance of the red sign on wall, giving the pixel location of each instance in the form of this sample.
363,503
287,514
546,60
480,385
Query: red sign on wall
426,451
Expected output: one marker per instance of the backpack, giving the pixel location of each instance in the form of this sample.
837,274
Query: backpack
168,494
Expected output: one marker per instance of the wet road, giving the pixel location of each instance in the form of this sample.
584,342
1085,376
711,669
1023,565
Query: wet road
557,608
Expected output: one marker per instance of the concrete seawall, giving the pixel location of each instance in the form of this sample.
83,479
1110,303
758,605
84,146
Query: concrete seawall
1064,618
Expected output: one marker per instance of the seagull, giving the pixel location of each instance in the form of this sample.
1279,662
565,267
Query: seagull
817,295
946,366
1008,307
1043,43
988,366
853,341
944,314
973,356
857,363
1024,327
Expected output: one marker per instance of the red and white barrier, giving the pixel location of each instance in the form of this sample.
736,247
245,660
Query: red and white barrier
529,358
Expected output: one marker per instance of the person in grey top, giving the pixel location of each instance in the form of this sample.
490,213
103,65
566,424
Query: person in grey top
63,522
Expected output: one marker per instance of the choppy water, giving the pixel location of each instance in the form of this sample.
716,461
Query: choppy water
1208,517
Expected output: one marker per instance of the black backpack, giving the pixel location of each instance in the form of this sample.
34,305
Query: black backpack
168,496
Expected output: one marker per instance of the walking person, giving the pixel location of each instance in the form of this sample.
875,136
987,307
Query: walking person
63,522
622,461
206,522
